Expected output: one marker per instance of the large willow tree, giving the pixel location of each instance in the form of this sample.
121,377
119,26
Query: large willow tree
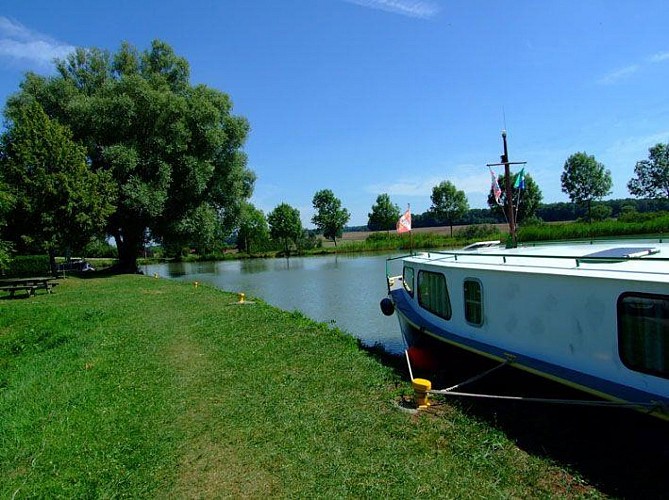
173,150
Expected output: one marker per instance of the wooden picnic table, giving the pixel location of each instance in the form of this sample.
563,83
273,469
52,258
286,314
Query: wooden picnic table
29,285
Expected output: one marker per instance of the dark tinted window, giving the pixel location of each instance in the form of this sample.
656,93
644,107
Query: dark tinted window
433,293
473,302
643,333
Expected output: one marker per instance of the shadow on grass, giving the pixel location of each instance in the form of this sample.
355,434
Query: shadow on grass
107,272
18,296
622,452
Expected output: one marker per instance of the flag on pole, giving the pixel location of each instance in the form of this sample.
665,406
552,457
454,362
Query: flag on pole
404,223
519,183
496,191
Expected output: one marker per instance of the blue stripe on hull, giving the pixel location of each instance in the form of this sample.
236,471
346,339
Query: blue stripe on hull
589,383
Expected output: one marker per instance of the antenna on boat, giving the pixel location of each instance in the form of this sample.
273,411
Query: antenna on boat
504,160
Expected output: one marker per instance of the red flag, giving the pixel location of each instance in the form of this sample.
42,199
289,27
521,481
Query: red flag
404,224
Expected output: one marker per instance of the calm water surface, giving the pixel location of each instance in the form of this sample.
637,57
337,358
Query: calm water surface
341,290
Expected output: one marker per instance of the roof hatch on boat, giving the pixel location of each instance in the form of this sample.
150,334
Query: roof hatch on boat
623,253
482,244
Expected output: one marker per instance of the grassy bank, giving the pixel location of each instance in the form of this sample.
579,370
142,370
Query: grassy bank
142,387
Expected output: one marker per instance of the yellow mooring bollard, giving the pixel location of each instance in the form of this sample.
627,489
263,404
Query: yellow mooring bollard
420,388
196,284
242,297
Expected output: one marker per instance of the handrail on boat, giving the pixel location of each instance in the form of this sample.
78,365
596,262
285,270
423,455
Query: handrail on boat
578,259
388,259
581,259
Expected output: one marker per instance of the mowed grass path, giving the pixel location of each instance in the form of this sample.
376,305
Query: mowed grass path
132,386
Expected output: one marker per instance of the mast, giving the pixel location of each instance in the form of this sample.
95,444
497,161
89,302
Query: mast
510,214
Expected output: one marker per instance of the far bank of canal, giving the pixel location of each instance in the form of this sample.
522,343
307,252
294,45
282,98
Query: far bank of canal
344,291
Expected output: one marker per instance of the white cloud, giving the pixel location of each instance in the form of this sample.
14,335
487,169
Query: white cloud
423,9
630,148
619,74
24,46
659,57
13,29
626,72
472,183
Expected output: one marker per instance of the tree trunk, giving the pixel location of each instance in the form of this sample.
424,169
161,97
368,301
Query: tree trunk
52,262
128,245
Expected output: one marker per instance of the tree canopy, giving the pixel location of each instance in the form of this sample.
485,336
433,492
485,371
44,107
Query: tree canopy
253,234
448,203
173,150
330,216
652,175
526,199
6,204
584,179
384,214
58,200
285,225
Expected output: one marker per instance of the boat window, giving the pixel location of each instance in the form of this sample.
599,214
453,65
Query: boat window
473,302
643,333
433,293
407,280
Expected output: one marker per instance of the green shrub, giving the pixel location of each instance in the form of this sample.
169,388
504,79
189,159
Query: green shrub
583,231
634,216
100,249
28,265
309,242
533,221
601,212
478,232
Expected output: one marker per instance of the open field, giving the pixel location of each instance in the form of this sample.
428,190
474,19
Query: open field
360,236
444,230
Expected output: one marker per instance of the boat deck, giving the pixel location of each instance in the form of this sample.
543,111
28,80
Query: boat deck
637,259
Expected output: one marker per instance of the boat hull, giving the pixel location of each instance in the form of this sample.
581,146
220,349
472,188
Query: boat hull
416,326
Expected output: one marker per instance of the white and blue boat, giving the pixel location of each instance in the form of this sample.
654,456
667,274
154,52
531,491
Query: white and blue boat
594,316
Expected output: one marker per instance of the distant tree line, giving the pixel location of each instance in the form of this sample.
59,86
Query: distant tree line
584,180
553,212
547,212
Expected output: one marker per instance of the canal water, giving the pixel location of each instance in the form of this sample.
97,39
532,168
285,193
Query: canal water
343,291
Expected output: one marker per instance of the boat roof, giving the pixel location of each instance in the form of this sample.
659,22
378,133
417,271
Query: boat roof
646,260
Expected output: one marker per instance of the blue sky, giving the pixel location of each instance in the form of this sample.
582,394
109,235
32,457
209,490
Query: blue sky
393,96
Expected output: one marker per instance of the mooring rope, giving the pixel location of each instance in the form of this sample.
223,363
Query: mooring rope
406,353
651,406
470,380
450,391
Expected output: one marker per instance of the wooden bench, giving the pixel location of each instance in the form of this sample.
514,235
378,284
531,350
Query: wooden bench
28,284
30,289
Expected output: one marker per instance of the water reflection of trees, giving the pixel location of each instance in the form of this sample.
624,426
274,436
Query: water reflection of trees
253,266
176,269
206,267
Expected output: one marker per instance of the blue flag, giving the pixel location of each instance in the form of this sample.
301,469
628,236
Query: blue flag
520,180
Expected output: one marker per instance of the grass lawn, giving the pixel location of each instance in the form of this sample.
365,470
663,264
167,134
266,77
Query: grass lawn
132,386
